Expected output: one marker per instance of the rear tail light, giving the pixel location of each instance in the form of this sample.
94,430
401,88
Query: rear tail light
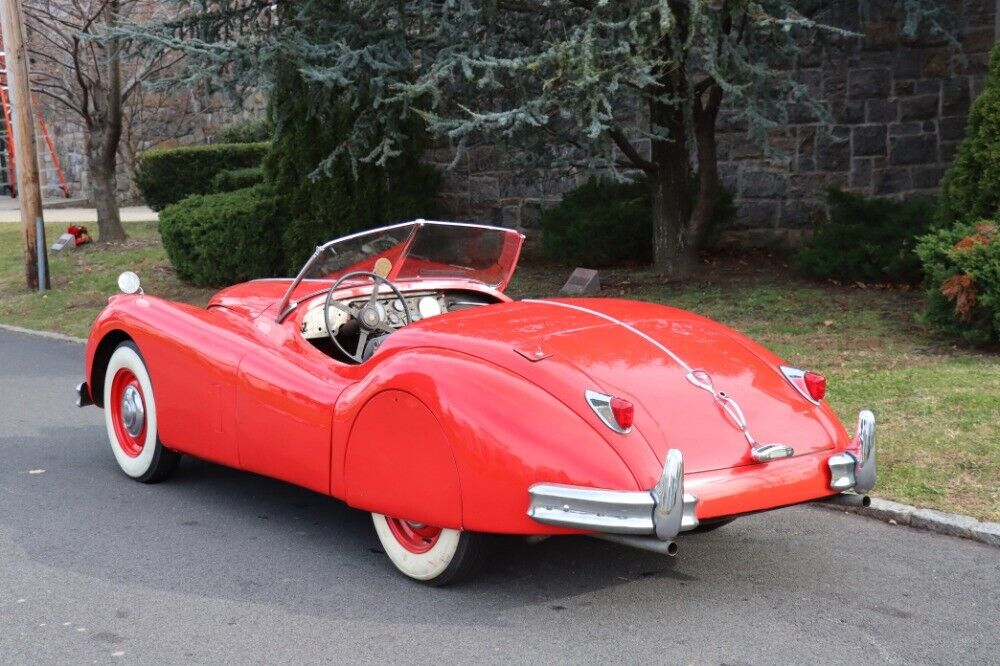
811,385
815,384
616,413
623,412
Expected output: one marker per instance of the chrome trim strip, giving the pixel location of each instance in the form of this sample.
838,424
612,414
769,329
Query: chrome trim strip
791,373
863,448
663,511
601,404
669,496
842,471
619,322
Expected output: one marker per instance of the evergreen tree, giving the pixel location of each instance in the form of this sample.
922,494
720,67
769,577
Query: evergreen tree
607,84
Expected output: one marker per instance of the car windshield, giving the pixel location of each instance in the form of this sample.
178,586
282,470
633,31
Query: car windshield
417,250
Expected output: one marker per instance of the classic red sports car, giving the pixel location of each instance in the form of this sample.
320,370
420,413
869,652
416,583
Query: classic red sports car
393,373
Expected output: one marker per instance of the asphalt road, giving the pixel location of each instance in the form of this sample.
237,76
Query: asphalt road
218,566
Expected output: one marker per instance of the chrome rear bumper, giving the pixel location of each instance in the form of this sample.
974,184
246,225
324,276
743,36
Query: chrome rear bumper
663,511
666,510
83,398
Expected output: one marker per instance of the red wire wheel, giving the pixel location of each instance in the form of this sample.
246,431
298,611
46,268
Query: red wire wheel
128,412
414,537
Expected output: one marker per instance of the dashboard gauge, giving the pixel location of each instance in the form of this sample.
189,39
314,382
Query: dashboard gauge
398,304
394,319
428,307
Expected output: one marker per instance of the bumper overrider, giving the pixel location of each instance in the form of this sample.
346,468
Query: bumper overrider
651,519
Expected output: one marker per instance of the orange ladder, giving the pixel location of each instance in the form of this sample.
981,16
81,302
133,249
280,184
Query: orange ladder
10,164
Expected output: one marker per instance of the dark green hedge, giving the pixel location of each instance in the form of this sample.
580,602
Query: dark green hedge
607,223
247,131
237,179
224,238
167,175
867,239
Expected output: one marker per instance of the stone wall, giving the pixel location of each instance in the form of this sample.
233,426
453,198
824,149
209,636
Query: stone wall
899,108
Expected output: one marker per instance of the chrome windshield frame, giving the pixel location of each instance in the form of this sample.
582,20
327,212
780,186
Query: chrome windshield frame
286,305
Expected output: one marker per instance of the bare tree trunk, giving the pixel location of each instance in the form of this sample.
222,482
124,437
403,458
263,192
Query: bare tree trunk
104,190
708,167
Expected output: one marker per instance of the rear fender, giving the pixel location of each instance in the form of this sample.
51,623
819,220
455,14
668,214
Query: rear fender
475,436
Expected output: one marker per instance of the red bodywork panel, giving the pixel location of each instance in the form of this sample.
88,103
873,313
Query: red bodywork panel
456,416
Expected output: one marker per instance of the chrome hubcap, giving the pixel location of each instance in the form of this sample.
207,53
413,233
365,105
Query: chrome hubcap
133,413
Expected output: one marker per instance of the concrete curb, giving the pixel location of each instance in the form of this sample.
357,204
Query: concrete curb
42,334
951,524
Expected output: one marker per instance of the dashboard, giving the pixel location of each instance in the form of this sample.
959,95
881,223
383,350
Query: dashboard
422,305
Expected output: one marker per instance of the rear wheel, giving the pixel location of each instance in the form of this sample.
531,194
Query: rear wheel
130,417
432,555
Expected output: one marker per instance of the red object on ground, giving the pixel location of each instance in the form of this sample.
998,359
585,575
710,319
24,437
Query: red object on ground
80,234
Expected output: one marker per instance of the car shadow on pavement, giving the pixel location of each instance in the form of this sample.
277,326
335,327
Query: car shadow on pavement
211,531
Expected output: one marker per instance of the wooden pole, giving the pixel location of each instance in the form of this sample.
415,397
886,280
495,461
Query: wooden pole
29,190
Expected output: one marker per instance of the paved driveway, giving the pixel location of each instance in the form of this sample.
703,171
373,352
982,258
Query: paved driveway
221,566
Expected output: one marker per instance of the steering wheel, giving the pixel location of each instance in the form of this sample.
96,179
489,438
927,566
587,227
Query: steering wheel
371,317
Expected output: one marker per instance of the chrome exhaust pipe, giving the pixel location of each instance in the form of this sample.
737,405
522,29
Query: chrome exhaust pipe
652,544
847,499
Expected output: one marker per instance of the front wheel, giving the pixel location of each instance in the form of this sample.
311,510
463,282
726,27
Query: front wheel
432,555
130,417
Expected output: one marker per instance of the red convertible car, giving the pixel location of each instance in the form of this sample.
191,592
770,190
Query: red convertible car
394,374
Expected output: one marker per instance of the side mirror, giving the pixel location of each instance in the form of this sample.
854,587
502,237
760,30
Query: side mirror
128,283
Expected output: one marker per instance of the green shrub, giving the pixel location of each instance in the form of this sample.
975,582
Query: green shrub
228,180
324,203
167,175
867,240
970,190
607,223
962,266
224,238
600,223
247,131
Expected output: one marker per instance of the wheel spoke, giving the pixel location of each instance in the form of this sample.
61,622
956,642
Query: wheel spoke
362,339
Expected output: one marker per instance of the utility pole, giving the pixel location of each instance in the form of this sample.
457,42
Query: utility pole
28,184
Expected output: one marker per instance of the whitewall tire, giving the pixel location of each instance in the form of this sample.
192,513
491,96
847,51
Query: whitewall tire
130,417
436,556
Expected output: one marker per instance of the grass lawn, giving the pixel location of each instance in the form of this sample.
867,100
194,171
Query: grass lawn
938,405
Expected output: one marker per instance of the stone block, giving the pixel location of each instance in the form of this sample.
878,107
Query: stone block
921,107
800,214
905,129
849,112
944,523
582,282
928,177
881,110
887,510
937,64
763,185
919,149
947,150
484,190
908,63
861,172
869,82
868,140
951,129
891,181
955,96
903,88
756,214
800,113
927,87
833,150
